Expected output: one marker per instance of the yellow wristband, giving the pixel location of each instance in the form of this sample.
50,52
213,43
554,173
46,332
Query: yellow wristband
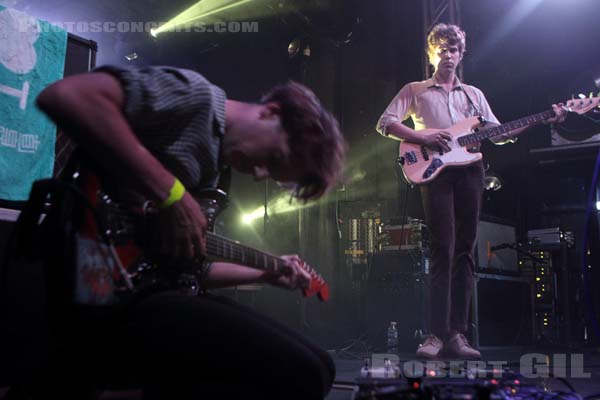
175,194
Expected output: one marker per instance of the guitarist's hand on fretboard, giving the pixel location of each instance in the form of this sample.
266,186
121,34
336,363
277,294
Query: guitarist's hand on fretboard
293,277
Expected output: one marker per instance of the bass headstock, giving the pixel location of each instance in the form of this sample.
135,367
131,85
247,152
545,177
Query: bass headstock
582,105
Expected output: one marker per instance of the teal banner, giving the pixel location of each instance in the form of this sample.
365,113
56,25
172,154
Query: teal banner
32,56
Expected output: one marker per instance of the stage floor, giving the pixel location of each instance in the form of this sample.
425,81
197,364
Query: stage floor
348,366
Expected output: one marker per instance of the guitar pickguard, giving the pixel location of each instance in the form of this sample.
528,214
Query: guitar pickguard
435,164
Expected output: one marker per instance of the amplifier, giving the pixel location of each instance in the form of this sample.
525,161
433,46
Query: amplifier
495,249
549,236
411,236
503,310
396,290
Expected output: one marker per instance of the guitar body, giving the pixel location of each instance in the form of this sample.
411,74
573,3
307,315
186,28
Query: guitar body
421,164
116,263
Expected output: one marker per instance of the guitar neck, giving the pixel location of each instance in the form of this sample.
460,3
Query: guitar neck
474,138
224,249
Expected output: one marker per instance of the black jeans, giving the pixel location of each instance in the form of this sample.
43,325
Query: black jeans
181,347
452,203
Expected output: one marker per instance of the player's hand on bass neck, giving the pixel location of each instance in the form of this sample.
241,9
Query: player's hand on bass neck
560,114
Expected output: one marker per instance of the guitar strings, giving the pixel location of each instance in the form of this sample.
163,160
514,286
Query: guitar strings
220,245
256,257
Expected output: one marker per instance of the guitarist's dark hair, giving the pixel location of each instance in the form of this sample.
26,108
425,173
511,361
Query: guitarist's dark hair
314,138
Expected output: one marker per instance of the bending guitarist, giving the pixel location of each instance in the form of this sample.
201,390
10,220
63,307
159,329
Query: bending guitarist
452,200
166,133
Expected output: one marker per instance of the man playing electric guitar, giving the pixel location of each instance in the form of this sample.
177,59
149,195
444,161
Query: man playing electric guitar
451,200
166,133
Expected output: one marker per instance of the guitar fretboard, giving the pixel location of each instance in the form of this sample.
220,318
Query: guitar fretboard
476,137
221,248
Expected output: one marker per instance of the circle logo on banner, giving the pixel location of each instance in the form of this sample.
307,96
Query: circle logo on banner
19,32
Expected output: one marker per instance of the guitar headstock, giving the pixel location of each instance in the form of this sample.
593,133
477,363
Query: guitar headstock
581,106
317,284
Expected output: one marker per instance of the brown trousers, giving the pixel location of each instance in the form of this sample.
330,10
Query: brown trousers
452,203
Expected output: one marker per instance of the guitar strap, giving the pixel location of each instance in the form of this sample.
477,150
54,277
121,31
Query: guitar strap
477,110
478,113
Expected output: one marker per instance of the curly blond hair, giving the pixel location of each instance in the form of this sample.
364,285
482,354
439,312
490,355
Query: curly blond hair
446,34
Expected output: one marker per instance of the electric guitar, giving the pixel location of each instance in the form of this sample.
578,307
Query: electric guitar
422,164
114,264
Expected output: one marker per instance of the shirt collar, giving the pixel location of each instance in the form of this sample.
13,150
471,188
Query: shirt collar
219,97
431,82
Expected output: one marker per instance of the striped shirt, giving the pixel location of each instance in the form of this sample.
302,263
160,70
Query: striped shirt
179,116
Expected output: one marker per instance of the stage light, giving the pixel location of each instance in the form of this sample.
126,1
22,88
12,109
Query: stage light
492,182
298,46
248,218
279,205
131,57
293,48
598,205
197,12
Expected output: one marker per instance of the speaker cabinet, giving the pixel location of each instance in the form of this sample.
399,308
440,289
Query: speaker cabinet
503,310
396,291
493,247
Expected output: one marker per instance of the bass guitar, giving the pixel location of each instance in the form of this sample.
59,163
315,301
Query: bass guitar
422,164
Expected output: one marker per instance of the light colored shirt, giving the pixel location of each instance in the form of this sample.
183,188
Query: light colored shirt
431,106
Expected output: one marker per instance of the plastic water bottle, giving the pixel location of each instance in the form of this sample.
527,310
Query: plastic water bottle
392,338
